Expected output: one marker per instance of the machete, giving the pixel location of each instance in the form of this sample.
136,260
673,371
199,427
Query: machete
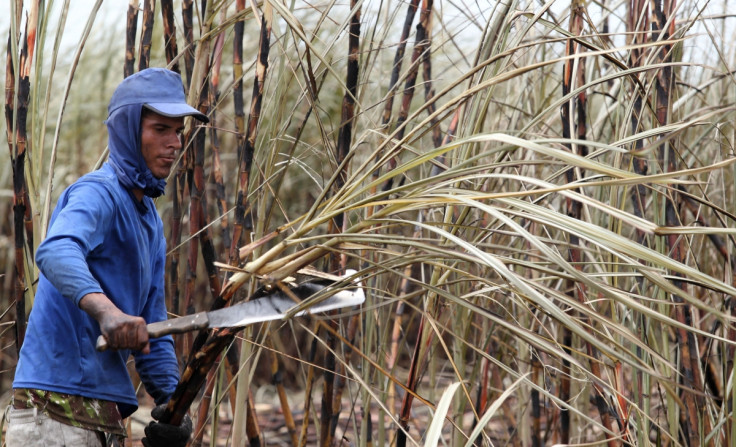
273,306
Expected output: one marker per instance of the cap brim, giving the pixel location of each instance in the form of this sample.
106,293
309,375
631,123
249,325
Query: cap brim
176,110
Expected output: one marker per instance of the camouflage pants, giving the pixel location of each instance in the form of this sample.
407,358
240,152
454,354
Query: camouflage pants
33,428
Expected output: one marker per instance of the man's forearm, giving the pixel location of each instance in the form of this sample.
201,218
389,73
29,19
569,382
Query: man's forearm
96,305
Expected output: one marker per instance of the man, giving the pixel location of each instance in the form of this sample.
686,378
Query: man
102,272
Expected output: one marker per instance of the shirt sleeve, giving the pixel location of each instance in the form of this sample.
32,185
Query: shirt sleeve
158,370
78,227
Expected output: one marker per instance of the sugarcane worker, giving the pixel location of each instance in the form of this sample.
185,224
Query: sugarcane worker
102,272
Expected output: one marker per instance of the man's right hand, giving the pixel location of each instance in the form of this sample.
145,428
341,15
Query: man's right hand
122,331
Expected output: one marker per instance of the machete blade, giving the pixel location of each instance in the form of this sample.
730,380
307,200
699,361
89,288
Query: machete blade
276,306
268,307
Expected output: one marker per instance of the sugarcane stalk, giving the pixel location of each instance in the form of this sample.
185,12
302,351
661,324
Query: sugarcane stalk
144,56
575,68
512,425
216,177
19,205
195,374
420,46
243,214
24,96
199,198
277,379
368,422
252,429
195,222
187,19
130,33
397,328
411,11
330,406
199,228
692,392
328,375
308,392
537,440
481,400
177,188
393,81
344,138
637,24
243,211
16,112
340,377
233,367
240,208
573,209
198,366
424,29
204,408
333,385
565,386
411,385
167,15
425,21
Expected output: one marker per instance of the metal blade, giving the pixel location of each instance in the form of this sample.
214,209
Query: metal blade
276,307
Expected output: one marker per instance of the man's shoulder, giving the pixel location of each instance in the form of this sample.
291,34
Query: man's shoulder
105,176
103,180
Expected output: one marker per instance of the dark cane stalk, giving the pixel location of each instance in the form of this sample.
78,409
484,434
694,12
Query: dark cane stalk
411,11
420,47
243,211
331,394
692,393
204,409
575,72
277,379
637,24
239,109
16,113
144,56
186,19
216,177
395,71
167,14
130,32
243,217
411,385
425,21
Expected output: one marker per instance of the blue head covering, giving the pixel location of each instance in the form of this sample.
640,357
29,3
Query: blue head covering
159,90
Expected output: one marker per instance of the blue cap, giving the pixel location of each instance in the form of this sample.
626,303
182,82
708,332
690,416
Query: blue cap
157,89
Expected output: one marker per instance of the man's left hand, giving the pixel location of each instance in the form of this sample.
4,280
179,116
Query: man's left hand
159,434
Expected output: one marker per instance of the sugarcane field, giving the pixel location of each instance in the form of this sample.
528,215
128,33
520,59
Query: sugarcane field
368,223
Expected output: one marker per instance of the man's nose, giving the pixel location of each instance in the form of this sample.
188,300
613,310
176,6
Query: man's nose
175,141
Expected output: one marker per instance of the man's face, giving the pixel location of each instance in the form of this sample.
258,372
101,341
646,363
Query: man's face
160,142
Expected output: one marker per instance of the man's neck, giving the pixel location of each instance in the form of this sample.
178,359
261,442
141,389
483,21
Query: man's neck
138,194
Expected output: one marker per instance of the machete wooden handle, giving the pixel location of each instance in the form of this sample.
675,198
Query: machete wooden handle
166,327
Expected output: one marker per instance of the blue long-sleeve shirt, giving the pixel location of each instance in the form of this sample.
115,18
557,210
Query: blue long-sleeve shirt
100,239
